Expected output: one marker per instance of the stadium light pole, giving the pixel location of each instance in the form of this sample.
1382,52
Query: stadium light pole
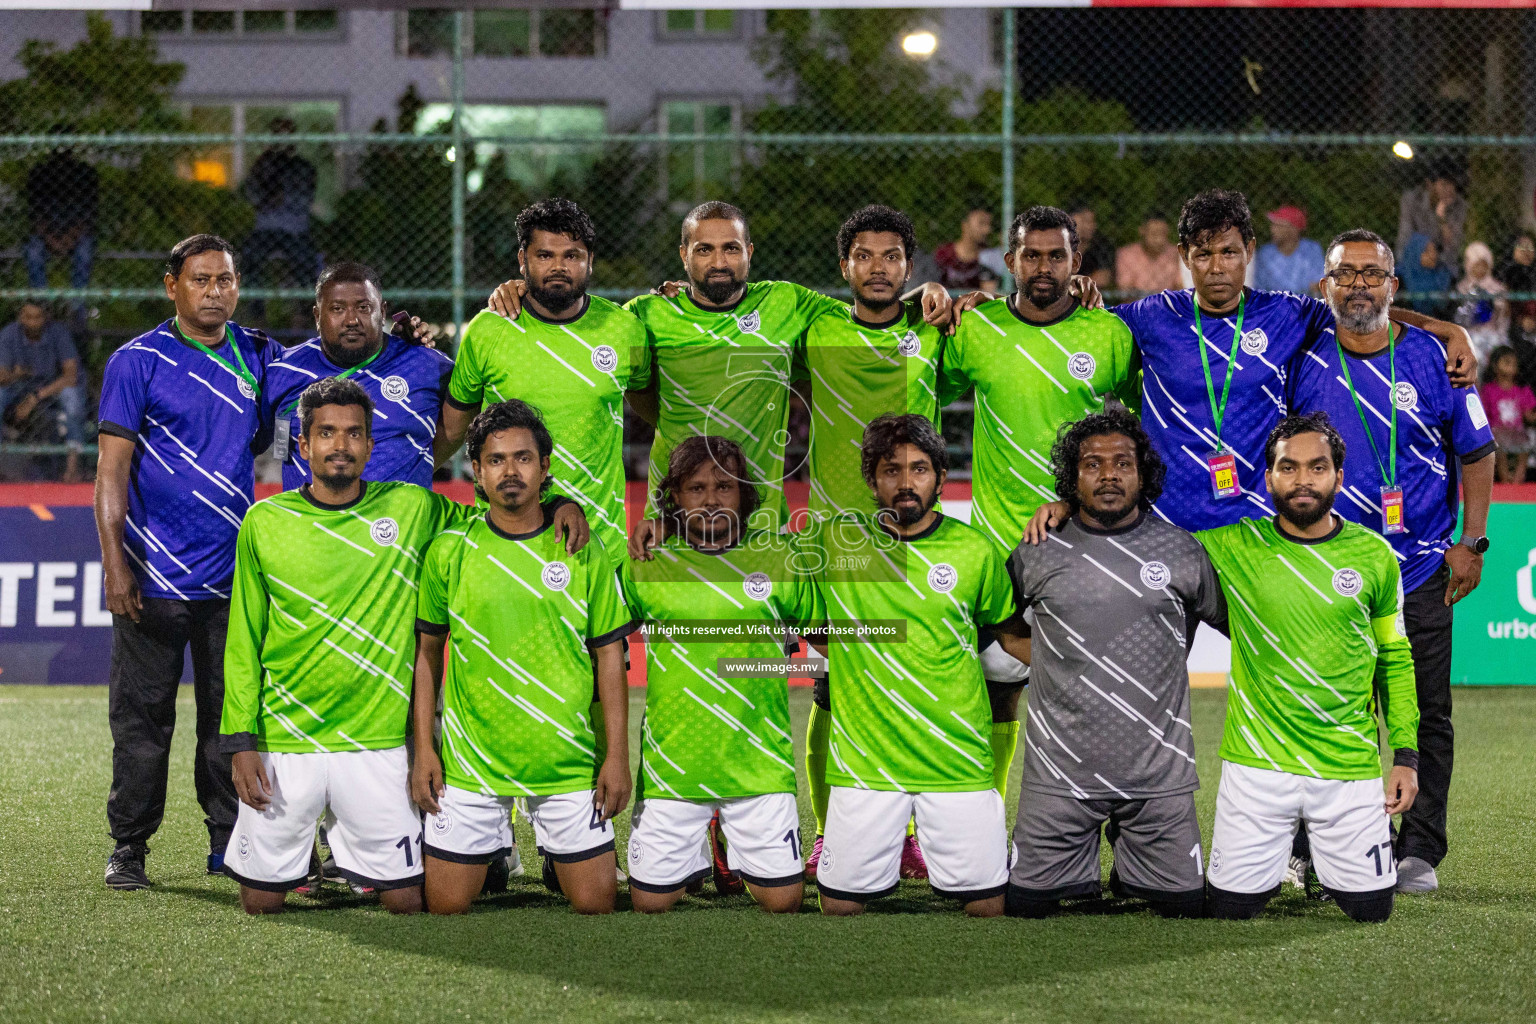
1010,29
460,158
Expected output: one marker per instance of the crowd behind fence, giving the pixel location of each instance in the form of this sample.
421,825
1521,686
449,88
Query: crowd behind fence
1418,124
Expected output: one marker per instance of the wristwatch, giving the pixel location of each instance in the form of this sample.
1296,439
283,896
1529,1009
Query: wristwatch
1477,545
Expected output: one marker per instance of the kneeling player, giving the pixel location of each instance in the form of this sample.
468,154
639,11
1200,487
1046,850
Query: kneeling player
528,622
910,715
1316,618
1117,593
317,664
714,742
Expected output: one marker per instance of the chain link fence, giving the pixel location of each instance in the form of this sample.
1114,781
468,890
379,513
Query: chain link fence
1342,114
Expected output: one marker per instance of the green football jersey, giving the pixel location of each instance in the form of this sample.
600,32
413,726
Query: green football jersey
1317,632
1029,380
575,373
859,372
727,373
911,713
709,735
320,648
522,619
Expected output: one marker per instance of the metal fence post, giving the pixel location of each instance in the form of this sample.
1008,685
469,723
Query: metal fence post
460,158
1010,29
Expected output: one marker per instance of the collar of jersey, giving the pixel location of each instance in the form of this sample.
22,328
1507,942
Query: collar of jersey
899,318
1338,527
362,492
1008,304
586,304
549,520
1094,531
938,521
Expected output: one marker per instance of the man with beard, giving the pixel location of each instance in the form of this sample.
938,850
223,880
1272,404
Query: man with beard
318,664
1315,606
910,712
1415,438
1117,593
574,358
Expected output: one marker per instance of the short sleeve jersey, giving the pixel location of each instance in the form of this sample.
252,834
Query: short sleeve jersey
727,373
406,382
1313,625
195,421
910,714
709,735
860,371
321,647
1438,427
523,618
1176,407
575,373
1029,379
1109,689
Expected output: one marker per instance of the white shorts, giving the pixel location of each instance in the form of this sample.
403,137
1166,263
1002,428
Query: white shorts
471,828
962,835
1257,812
373,828
762,841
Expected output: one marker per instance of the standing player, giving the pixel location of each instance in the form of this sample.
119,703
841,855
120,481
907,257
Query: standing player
532,626
1413,436
909,717
1117,593
180,418
713,743
405,380
318,664
1316,619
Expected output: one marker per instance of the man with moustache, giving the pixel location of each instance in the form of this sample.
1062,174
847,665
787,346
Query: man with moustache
1315,612
1413,439
1117,593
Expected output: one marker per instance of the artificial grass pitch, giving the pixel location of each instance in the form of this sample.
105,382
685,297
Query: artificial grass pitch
182,951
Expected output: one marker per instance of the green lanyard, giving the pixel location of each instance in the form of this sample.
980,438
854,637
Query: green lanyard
1218,412
229,334
288,409
1389,476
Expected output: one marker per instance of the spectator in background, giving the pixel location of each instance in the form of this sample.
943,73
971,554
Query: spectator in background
1150,264
1288,263
62,194
1098,253
1485,313
1518,274
281,186
1436,210
40,374
960,266
1511,409
1425,269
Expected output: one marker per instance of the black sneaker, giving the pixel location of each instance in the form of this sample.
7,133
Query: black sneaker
125,868
551,880
497,873
215,863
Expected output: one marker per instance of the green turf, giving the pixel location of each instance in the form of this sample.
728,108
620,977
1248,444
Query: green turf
71,950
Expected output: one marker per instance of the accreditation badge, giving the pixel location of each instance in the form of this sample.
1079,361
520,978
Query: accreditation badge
1392,511
1223,469
282,437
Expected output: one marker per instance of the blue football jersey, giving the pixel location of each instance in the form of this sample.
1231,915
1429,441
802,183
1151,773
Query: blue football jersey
196,423
1176,408
407,383
1438,428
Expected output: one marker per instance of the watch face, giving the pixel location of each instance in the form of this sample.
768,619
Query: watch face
1479,545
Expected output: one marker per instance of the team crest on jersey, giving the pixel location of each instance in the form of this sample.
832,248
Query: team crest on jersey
1155,575
245,388
1254,342
245,846
395,388
384,531
1405,396
556,575
605,359
909,345
757,586
636,851
1347,582
442,824
943,577
1081,365
750,323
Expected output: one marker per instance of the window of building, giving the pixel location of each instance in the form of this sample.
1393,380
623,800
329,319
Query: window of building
529,163
695,171
225,165
698,24
560,32
240,24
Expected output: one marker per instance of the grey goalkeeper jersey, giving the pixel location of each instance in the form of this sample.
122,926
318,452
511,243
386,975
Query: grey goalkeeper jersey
1114,612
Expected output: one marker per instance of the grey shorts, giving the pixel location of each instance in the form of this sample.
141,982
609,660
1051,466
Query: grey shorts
1156,846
